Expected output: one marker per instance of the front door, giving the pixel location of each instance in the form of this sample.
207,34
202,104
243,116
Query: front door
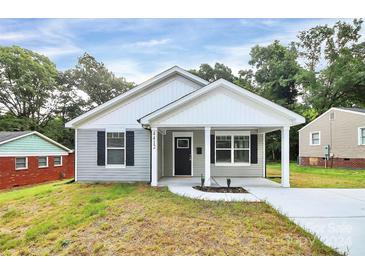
182,155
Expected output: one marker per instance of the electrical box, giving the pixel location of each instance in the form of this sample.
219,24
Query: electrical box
199,150
327,151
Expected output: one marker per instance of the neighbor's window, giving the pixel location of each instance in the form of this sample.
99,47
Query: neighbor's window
315,138
362,136
232,148
57,160
42,161
115,148
21,163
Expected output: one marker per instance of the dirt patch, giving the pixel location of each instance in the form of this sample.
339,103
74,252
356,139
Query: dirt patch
221,189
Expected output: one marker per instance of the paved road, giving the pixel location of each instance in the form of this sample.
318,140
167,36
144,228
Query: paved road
336,216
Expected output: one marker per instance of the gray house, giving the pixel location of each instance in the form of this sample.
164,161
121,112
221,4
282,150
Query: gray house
335,139
179,125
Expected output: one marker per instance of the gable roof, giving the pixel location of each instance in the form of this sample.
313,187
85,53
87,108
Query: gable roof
359,111
9,136
153,81
297,119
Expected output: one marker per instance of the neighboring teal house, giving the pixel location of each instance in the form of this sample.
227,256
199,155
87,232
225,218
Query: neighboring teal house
29,157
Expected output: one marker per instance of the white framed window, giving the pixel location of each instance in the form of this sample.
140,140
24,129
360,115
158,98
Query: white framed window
232,148
361,135
183,143
315,138
21,163
115,148
42,161
57,160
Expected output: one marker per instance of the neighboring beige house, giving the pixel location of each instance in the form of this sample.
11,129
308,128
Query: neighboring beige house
343,130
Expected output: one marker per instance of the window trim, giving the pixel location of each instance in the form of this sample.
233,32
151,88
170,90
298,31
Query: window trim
232,149
46,162
359,136
26,163
106,148
54,160
311,139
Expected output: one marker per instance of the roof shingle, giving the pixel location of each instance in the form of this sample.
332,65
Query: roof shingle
7,135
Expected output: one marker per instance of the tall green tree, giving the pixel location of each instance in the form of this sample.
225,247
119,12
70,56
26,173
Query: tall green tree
212,74
100,84
334,73
28,82
276,68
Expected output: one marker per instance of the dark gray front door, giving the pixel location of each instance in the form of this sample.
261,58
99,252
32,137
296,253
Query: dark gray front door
182,155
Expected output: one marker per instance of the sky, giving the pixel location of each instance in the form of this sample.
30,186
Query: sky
138,49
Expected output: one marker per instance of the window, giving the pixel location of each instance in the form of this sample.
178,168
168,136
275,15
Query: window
362,136
232,148
183,143
21,163
115,148
57,160
315,138
42,161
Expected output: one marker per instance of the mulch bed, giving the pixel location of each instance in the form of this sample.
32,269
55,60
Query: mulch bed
221,189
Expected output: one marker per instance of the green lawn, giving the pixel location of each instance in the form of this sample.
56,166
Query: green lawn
122,219
318,177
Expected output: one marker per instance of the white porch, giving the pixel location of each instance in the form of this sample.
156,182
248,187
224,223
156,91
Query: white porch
159,138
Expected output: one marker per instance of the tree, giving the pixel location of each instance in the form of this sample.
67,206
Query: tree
211,74
276,69
27,85
93,78
335,66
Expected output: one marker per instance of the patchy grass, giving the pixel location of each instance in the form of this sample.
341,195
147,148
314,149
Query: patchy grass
318,177
124,219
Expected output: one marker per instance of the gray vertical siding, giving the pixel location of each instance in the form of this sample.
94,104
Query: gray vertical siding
254,170
88,170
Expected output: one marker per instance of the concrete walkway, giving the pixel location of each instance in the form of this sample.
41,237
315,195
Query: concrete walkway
336,216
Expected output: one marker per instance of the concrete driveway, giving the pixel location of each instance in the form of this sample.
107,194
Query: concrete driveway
336,216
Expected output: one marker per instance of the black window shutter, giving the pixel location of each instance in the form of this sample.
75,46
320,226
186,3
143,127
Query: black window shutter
130,148
101,148
253,148
212,149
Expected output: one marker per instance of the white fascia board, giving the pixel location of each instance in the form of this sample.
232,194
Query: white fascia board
18,137
53,141
30,154
41,136
73,123
332,108
324,113
297,119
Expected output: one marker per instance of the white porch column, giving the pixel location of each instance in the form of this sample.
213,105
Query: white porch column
154,161
285,157
207,156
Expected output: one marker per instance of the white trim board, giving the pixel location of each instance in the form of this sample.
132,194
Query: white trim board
163,75
22,154
183,134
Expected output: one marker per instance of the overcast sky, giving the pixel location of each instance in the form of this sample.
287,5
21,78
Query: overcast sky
140,48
